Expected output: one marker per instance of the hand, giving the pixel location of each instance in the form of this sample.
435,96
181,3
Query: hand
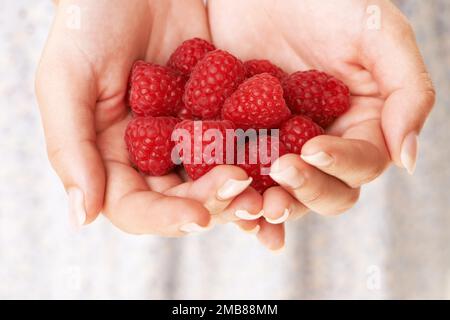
391,93
81,84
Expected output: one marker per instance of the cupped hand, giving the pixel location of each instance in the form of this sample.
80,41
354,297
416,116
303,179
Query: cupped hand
81,87
373,50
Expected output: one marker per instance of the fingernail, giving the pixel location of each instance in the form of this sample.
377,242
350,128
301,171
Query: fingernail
319,159
290,177
232,187
77,210
281,219
409,151
194,228
245,215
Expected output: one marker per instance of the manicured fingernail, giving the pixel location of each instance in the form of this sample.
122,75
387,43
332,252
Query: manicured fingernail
194,228
245,215
77,210
319,159
290,177
409,151
232,187
281,219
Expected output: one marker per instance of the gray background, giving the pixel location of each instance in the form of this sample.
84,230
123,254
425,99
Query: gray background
393,244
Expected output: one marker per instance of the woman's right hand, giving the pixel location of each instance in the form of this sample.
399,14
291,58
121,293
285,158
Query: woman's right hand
81,85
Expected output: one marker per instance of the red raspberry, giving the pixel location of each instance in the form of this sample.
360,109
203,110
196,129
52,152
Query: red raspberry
259,169
202,159
254,67
296,131
185,114
186,56
149,144
258,103
155,90
212,80
317,95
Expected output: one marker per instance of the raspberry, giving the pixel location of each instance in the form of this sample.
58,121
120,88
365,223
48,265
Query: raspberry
185,114
212,80
149,144
259,169
317,95
254,67
258,103
296,131
155,90
202,159
186,56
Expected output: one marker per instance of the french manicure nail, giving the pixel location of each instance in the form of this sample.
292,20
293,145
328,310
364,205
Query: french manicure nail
77,210
245,215
290,177
281,219
319,159
409,151
193,228
232,188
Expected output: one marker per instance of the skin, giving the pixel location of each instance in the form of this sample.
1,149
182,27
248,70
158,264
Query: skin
82,81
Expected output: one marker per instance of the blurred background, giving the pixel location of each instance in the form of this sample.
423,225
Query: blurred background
393,244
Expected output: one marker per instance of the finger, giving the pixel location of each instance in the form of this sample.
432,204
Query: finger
403,80
280,206
133,208
271,236
355,161
315,189
163,183
66,105
249,226
216,189
246,206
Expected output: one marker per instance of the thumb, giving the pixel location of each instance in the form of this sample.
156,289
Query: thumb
67,105
397,65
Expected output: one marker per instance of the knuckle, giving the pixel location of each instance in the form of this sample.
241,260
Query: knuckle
406,27
429,94
53,152
372,173
353,197
297,211
55,156
312,197
349,202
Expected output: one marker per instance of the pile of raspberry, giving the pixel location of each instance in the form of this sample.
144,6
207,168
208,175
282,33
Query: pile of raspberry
202,83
